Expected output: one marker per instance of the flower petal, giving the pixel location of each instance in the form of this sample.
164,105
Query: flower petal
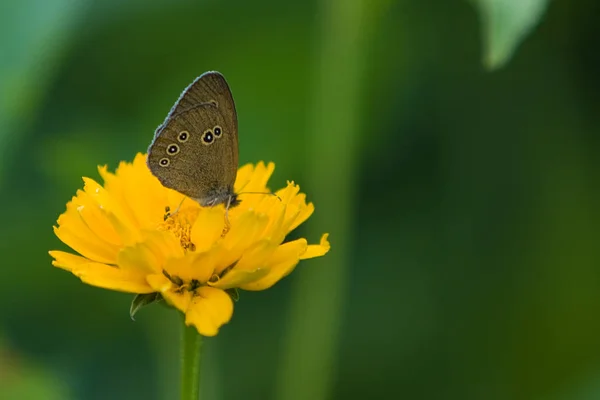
102,275
275,230
194,266
298,211
110,201
256,256
178,299
203,264
180,268
95,218
151,254
141,191
243,234
237,278
259,178
73,231
317,250
207,228
209,309
282,262
288,193
304,211
244,175
163,244
159,282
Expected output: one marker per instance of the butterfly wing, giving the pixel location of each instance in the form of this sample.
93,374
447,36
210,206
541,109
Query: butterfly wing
195,150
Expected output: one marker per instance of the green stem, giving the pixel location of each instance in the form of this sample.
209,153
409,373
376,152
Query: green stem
191,345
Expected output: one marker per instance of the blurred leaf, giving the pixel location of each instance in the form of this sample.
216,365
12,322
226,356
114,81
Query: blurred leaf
19,379
506,23
30,51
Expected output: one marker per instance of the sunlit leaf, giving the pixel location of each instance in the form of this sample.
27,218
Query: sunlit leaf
30,53
505,24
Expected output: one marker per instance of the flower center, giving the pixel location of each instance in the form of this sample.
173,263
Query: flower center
180,224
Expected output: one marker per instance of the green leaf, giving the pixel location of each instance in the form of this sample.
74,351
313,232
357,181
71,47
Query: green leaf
505,24
233,293
31,54
142,300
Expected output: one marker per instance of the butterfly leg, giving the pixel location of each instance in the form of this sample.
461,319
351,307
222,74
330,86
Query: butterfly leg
227,223
168,212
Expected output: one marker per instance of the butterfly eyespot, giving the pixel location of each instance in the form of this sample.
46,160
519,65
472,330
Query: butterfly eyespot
183,136
207,137
217,130
164,162
214,103
172,149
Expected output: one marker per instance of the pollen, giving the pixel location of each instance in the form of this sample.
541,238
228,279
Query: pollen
180,224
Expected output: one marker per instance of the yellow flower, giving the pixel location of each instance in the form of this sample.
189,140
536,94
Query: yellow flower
128,242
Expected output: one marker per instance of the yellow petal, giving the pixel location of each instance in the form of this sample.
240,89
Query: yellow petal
282,262
256,256
194,266
243,234
297,211
95,219
74,232
209,309
275,228
203,264
304,212
259,178
263,173
127,235
113,211
244,175
207,228
288,193
110,202
163,244
237,278
317,250
151,254
180,267
178,299
144,196
102,275
159,282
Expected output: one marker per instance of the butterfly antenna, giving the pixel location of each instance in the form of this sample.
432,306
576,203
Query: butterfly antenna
267,193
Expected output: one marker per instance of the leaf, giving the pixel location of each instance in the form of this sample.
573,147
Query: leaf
142,300
233,293
505,24
31,54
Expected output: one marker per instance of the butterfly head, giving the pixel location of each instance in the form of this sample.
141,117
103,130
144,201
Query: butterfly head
218,196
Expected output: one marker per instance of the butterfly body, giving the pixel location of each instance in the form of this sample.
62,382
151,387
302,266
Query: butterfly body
195,150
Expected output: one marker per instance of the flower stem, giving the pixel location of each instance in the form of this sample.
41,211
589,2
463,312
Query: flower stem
191,345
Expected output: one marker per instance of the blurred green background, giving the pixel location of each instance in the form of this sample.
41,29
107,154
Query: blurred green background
462,201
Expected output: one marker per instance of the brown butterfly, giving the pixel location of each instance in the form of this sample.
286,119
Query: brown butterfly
195,150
